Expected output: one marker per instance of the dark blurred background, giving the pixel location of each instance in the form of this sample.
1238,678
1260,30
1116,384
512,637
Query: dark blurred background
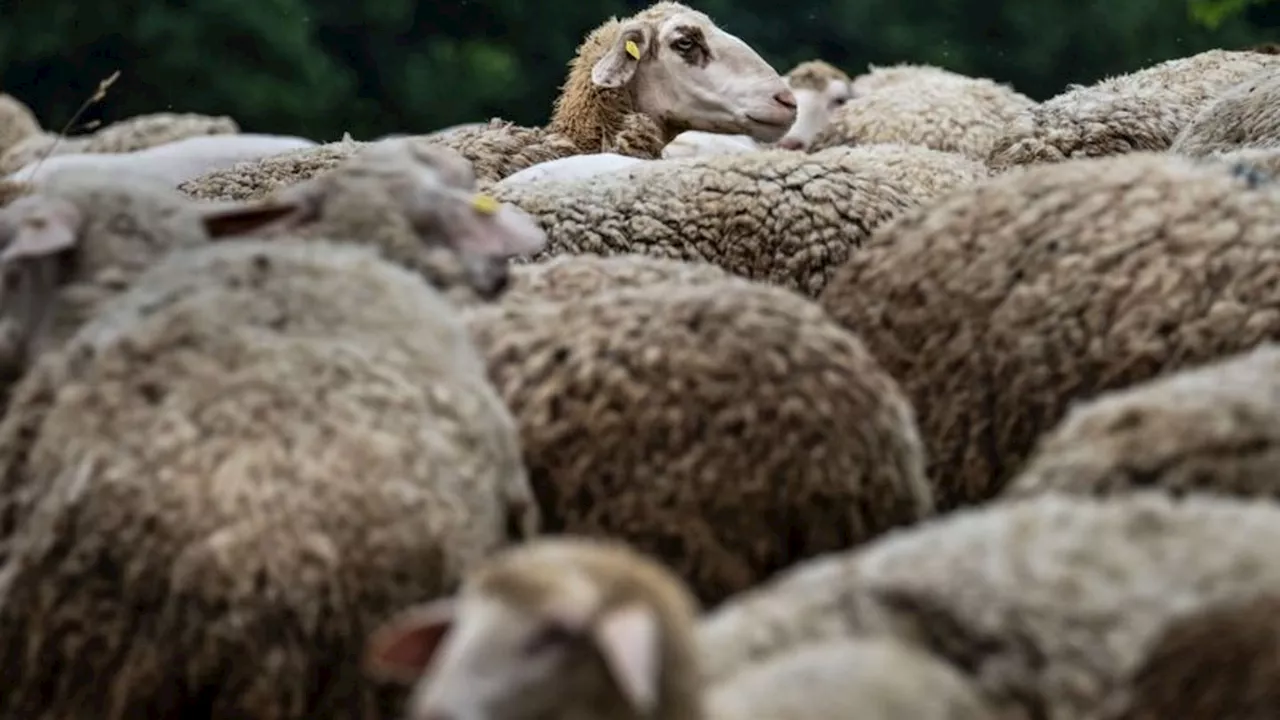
369,67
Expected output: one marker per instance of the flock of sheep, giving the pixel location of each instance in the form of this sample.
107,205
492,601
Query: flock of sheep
725,395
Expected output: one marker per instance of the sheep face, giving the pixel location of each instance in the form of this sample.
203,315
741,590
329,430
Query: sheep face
36,233
550,629
691,75
432,187
814,107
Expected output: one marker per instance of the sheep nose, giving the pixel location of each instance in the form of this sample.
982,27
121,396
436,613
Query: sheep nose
786,98
790,143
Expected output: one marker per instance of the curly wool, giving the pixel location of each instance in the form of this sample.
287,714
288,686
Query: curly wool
779,216
1215,429
231,475
729,428
1246,116
1046,603
998,305
1264,162
255,180
573,277
33,147
963,115
17,122
1219,663
1144,110
144,131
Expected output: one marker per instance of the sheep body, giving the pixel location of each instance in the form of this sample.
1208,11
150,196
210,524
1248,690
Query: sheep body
880,77
17,122
569,278
571,168
1245,116
729,427
263,448
1144,110
172,162
256,179
962,115
1214,428
1047,603
778,216
695,143
999,304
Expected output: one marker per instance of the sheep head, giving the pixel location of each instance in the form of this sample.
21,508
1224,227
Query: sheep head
675,65
37,232
554,628
432,187
820,89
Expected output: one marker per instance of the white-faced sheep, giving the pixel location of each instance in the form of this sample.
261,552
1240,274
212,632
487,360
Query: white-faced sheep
567,628
1048,604
415,202
999,304
17,122
1217,663
573,167
696,143
820,90
231,473
1144,110
632,86
962,115
729,427
1246,116
778,216
171,163
1215,429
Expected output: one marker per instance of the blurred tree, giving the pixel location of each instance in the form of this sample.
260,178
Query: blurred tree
322,67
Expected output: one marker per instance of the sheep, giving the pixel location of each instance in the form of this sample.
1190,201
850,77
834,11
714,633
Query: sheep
1214,428
10,191
1263,162
231,473
1046,603
256,180
633,85
571,168
572,628
17,122
1144,110
574,277
999,304
728,427
695,143
173,162
1220,663
1245,116
146,131
401,196
778,216
37,146
880,77
820,89
962,115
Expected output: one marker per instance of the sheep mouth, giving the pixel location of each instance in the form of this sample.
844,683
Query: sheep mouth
769,122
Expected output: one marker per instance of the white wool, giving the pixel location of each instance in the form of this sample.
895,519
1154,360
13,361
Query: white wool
171,163
695,143
574,167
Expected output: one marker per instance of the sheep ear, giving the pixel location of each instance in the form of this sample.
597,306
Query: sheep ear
241,219
48,227
402,648
627,639
489,228
619,63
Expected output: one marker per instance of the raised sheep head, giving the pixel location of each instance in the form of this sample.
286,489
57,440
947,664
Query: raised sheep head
820,90
685,71
36,233
543,632
433,188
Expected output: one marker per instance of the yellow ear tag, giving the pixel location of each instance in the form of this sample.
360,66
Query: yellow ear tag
484,204
633,50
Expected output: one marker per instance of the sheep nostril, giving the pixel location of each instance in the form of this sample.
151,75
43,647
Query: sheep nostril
786,98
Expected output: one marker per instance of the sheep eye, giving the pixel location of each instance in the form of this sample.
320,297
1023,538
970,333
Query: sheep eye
683,45
837,102
552,636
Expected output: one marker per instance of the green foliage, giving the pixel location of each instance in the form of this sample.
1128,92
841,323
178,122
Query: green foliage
322,67
1211,13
